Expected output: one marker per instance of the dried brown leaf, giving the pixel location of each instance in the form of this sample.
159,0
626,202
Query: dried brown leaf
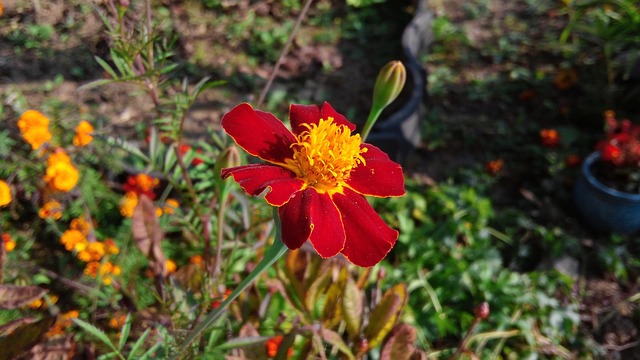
400,344
148,235
12,296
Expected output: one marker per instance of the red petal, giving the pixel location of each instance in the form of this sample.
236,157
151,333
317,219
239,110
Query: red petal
311,114
259,133
313,216
380,177
369,239
254,179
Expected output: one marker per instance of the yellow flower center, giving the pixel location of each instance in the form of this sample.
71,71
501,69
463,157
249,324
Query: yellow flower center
325,154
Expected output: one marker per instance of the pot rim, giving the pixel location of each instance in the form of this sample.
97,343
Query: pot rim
586,171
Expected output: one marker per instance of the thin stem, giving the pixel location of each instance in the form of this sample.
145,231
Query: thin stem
284,52
273,254
374,114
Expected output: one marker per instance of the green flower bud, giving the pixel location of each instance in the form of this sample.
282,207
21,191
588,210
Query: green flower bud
389,84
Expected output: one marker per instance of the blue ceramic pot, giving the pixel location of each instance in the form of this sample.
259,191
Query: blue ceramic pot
603,208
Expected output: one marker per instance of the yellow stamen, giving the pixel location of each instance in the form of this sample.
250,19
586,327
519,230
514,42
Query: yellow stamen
325,154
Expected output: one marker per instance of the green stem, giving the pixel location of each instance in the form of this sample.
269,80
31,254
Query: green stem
374,114
273,254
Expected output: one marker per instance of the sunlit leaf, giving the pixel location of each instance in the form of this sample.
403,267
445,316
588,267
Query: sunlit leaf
400,344
385,314
352,307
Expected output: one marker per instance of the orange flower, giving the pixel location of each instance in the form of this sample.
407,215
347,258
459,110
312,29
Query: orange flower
106,271
51,210
94,251
63,322
170,206
34,127
5,193
549,137
171,266
494,167
565,79
196,259
117,321
80,224
83,134
128,203
273,344
73,240
142,184
61,175
41,303
9,243
216,303
110,247
58,156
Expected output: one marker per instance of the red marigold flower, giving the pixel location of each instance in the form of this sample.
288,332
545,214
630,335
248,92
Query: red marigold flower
550,137
184,149
273,344
573,160
141,184
611,153
317,175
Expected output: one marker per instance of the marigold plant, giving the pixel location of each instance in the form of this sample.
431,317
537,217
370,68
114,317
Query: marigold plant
52,209
316,174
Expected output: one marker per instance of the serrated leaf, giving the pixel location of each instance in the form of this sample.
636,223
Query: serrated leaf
138,344
95,332
385,314
124,332
400,344
12,296
352,307
20,335
334,339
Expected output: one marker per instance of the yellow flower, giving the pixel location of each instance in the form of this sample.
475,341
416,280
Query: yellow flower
51,210
73,240
170,206
34,127
5,194
9,243
83,134
128,203
62,176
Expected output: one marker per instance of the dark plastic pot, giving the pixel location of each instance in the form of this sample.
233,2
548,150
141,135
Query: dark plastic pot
399,134
603,208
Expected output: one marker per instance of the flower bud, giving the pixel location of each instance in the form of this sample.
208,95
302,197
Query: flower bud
389,83
481,311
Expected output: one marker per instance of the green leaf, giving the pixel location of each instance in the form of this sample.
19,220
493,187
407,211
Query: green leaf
138,344
352,307
335,339
241,342
97,333
124,332
385,314
106,67
273,254
316,288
